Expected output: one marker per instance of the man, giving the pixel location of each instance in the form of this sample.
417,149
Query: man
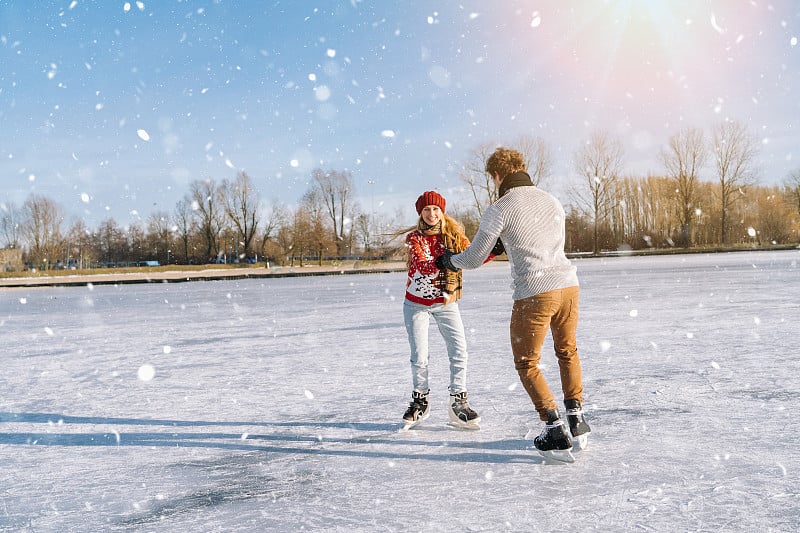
529,224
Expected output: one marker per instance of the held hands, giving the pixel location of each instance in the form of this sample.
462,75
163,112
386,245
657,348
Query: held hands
443,262
498,248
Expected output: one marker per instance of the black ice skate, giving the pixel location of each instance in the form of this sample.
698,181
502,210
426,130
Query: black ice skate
555,442
418,410
577,424
462,416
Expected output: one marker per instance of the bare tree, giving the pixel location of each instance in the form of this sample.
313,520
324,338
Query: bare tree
598,163
734,158
538,157
42,228
182,222
159,236
335,191
791,190
301,238
314,208
284,236
137,243
538,162
275,220
773,215
110,243
208,212
363,230
686,153
10,225
473,174
79,240
242,206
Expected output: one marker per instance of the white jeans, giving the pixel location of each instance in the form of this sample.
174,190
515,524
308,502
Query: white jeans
448,319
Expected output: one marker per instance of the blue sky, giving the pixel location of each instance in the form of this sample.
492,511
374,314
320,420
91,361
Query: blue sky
113,108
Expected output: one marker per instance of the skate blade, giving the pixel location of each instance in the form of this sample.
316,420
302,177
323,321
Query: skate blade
469,426
457,423
415,423
564,456
581,441
409,425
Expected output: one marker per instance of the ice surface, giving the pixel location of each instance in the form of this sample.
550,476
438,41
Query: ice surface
276,406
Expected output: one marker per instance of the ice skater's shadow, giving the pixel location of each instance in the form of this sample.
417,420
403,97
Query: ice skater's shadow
357,439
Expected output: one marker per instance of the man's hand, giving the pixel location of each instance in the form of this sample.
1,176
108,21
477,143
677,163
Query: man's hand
443,262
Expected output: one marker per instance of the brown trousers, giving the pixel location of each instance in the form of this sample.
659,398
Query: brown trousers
530,319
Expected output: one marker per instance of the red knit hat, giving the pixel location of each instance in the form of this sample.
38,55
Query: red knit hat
430,198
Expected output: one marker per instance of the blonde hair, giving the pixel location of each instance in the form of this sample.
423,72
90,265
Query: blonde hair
452,232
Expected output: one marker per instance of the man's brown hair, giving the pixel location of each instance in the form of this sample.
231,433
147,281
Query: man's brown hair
505,161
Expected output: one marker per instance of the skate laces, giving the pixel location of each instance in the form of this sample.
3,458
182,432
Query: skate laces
461,408
419,398
549,428
552,425
460,402
418,403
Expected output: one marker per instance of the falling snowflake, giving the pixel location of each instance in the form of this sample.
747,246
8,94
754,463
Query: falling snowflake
146,372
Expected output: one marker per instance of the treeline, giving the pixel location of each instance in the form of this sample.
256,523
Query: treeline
228,221
646,215
609,211
215,222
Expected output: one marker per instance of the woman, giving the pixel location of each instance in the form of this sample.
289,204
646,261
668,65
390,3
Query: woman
431,292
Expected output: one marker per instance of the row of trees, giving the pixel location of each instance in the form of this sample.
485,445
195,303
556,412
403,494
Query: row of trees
214,222
608,210
229,222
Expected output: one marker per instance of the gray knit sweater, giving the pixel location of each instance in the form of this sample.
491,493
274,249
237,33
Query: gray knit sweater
530,222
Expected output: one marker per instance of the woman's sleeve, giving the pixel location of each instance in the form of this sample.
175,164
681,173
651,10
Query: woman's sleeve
421,258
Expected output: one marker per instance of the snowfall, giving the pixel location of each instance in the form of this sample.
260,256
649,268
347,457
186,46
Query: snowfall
274,405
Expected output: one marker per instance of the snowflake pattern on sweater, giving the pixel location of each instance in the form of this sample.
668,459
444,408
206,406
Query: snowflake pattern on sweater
426,284
422,286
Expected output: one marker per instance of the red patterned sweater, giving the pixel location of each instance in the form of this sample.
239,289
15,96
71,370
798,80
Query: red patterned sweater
425,282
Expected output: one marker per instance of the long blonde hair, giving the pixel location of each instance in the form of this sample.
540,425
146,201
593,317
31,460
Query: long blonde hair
452,232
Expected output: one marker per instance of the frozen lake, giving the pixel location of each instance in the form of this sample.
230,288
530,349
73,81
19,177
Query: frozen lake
274,404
